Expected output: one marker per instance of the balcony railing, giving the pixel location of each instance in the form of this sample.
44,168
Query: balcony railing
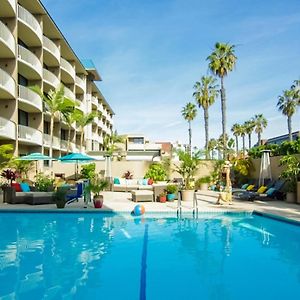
50,78
7,37
47,141
30,97
51,47
13,4
7,129
81,106
69,93
64,144
100,107
94,101
7,83
30,21
67,67
79,82
30,135
29,58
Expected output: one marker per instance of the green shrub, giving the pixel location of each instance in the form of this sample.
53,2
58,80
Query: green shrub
171,189
156,172
88,171
43,183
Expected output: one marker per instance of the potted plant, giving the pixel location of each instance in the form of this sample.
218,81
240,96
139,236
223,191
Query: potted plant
43,183
291,173
203,183
187,168
97,185
156,172
128,175
171,191
60,197
163,197
7,188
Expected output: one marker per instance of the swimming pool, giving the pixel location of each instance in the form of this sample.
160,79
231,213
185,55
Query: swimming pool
110,256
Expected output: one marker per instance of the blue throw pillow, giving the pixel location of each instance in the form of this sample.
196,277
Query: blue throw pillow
244,186
145,181
116,181
270,191
140,182
25,187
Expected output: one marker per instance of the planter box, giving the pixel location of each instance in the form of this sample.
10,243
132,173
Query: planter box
187,195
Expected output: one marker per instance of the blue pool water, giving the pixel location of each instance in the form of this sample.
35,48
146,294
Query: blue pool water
108,256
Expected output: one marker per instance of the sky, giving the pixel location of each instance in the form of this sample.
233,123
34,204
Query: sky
151,52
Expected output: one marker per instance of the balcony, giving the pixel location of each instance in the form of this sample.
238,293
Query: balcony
143,147
81,106
30,136
94,101
29,65
64,145
51,53
96,121
80,85
55,143
68,72
8,8
29,28
29,101
7,129
7,42
100,107
7,86
50,79
69,93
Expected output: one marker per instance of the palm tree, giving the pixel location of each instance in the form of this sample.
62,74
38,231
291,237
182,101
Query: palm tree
212,144
249,127
260,122
296,90
205,95
288,106
83,121
55,103
222,61
189,113
236,130
243,133
110,143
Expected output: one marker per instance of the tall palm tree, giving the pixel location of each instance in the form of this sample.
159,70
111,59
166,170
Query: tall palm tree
288,106
110,142
243,134
212,144
205,95
222,61
260,124
249,127
296,90
56,103
83,121
189,113
236,130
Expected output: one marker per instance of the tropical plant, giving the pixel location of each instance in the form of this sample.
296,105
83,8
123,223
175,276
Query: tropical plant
203,180
291,171
60,196
188,166
189,113
22,167
83,120
110,143
260,123
222,61
242,166
236,130
97,185
249,127
212,144
128,175
6,154
287,104
88,171
156,172
296,91
9,175
171,188
205,94
228,147
43,183
55,103
243,133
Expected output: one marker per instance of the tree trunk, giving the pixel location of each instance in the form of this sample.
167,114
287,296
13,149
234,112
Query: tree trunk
206,132
51,139
237,144
69,140
81,138
249,137
223,108
190,138
259,138
244,145
289,123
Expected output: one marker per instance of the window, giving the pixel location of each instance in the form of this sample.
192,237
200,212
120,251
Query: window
64,135
46,127
22,80
20,42
23,117
136,140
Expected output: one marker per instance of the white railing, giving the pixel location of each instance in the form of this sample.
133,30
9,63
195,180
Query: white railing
96,120
30,97
47,141
65,65
64,144
100,139
100,107
7,37
28,57
7,128
79,82
13,4
30,20
81,106
50,78
30,134
95,101
69,93
51,47
7,83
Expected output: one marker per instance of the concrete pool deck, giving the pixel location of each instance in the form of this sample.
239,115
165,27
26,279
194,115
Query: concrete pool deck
121,202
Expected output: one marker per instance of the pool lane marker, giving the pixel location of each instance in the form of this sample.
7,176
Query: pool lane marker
144,265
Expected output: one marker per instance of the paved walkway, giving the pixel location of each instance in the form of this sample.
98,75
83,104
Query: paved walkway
121,202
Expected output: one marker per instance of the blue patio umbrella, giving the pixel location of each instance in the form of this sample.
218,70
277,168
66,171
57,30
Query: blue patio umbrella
76,158
35,157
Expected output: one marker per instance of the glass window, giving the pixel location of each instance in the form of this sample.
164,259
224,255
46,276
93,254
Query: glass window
22,80
46,127
22,117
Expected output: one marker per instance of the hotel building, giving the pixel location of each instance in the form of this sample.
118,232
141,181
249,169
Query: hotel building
33,51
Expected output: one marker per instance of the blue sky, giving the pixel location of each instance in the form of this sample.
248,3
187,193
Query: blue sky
151,52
